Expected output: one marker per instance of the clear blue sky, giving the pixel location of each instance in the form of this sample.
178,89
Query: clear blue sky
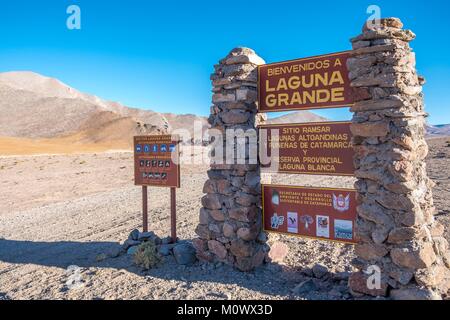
159,54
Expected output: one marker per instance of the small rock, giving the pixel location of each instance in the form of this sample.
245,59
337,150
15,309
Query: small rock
3,296
134,235
358,285
262,237
132,250
220,295
340,276
319,270
334,293
217,248
304,287
130,243
166,240
100,257
278,251
145,235
149,236
165,249
114,252
184,254
307,272
414,294
274,267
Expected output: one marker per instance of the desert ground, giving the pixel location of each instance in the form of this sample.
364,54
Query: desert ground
60,210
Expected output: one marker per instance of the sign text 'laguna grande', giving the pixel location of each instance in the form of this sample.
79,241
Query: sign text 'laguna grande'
309,83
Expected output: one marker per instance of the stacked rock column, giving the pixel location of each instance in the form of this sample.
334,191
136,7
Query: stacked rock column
230,219
396,227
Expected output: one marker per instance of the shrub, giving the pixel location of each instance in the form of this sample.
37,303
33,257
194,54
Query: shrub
146,255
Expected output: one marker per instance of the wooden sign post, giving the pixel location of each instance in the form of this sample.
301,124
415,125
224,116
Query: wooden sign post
144,209
157,164
173,214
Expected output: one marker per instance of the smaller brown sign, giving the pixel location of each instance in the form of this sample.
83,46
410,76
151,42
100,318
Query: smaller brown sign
156,161
321,213
310,148
310,83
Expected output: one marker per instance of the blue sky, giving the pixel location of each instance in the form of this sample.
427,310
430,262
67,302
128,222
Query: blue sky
159,54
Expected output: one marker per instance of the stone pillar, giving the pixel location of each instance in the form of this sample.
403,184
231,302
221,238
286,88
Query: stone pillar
230,219
396,228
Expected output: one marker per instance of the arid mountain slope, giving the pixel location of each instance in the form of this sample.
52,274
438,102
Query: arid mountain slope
297,117
438,131
34,106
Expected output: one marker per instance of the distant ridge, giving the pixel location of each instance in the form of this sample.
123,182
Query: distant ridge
438,130
35,106
297,117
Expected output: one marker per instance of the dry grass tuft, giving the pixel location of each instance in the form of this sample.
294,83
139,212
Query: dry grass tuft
147,255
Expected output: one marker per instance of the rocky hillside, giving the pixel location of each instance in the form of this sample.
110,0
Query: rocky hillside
34,106
297,117
440,130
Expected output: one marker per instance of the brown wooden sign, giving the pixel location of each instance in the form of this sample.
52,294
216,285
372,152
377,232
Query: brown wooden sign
320,213
310,148
156,161
310,83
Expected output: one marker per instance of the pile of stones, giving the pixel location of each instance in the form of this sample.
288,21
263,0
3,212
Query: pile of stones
319,282
396,226
230,220
183,251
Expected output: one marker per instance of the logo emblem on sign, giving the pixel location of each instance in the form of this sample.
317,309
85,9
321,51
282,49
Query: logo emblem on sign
343,229
138,148
292,222
276,221
307,220
340,203
323,226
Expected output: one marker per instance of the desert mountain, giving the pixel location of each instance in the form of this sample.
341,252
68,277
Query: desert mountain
38,107
297,117
34,106
439,130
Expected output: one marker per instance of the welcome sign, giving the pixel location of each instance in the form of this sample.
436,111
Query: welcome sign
310,83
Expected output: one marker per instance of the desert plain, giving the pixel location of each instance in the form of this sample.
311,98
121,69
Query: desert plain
61,210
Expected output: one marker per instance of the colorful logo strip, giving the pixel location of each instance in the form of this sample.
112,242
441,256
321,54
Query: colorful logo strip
320,213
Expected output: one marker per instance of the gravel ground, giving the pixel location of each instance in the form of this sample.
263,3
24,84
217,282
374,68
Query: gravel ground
77,207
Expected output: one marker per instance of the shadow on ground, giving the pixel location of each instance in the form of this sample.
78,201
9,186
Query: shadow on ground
59,254
271,279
